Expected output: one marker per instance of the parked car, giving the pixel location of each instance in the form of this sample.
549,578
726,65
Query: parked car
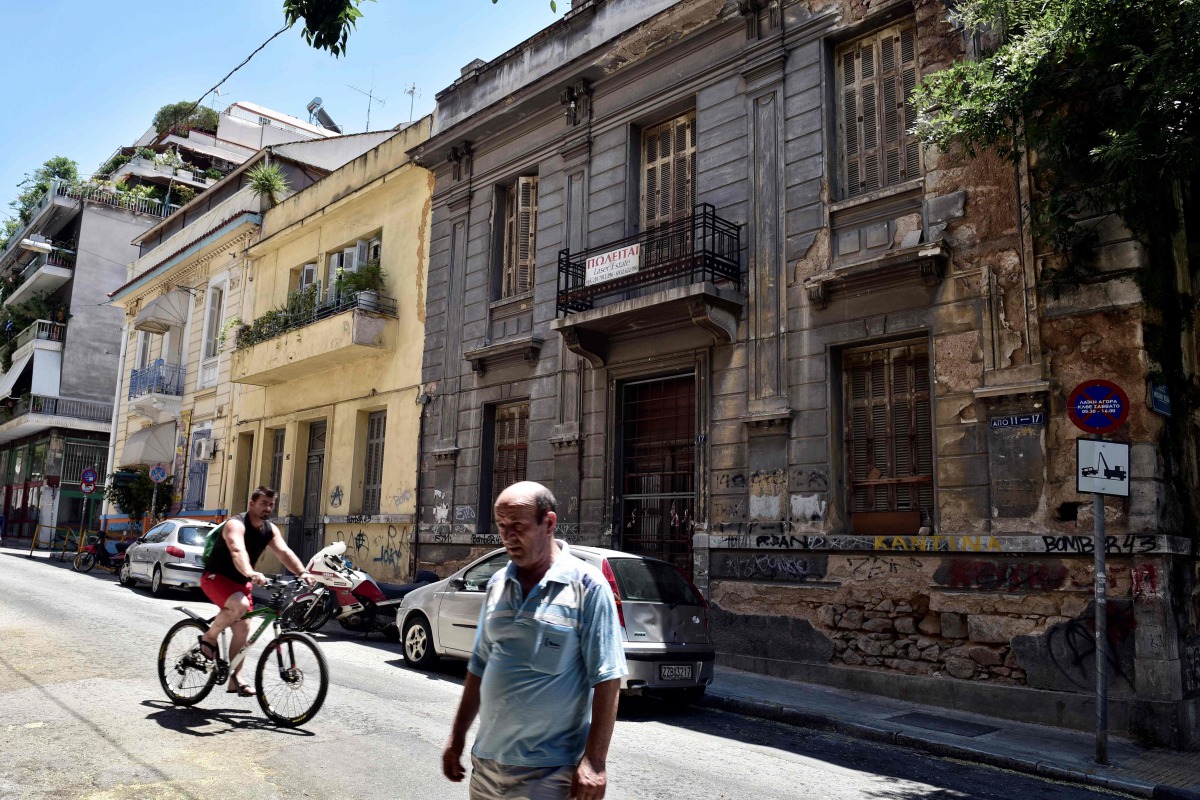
169,554
664,620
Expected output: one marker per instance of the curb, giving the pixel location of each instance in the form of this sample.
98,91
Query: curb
858,730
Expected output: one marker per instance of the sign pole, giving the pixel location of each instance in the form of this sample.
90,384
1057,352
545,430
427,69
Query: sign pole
153,503
1101,632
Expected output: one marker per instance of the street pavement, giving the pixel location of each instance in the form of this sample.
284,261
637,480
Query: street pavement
82,716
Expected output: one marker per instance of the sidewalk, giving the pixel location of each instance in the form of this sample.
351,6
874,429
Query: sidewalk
1037,749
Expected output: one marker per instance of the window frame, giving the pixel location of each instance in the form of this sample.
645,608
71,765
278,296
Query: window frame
278,448
676,208
214,319
517,273
373,460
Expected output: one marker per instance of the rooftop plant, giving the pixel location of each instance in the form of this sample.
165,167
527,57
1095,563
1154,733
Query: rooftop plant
267,180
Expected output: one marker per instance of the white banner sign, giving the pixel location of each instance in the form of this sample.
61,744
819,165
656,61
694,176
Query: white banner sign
613,264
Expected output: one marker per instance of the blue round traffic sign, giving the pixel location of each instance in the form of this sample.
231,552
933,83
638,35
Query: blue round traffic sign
88,476
1098,406
158,474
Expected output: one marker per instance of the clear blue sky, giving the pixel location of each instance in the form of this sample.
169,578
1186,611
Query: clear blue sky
86,76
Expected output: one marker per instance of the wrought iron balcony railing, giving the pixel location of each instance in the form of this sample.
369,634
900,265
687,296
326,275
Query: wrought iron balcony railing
308,305
57,407
158,378
701,247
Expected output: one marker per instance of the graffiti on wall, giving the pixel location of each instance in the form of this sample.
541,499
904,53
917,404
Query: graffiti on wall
335,497
1189,657
770,566
872,567
994,575
1129,544
1064,658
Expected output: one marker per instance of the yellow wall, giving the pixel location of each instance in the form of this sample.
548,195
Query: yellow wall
379,191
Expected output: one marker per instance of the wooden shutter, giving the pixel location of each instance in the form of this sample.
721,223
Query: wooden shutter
876,79
668,168
277,437
373,469
520,236
889,435
512,443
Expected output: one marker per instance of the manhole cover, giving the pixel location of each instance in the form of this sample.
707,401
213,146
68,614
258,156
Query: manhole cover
935,723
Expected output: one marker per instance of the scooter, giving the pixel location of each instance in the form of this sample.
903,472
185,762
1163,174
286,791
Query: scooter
90,556
347,594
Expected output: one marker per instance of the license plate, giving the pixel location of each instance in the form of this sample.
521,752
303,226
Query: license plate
675,672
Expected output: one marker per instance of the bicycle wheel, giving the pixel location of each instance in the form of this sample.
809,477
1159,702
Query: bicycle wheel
84,562
291,679
186,676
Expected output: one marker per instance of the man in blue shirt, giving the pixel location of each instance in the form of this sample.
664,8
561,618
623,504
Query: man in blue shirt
546,669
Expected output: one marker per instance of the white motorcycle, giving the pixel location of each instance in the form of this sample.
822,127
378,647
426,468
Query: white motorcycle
347,594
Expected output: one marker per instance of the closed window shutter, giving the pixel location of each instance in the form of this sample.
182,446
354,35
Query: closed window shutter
876,79
373,469
889,434
277,438
668,167
512,443
520,236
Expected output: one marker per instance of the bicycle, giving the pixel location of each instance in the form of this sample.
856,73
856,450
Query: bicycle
289,669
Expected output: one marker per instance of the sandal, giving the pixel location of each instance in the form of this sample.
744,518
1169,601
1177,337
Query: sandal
239,688
207,650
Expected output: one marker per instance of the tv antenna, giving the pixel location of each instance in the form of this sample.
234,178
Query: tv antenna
371,98
413,93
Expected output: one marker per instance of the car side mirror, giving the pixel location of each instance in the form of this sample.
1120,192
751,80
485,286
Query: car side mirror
457,584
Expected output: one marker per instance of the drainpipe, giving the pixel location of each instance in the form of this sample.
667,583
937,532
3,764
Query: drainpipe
112,434
423,400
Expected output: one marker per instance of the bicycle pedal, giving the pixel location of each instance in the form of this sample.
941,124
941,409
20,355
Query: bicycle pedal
222,671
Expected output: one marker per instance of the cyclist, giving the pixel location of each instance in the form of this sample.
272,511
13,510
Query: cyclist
229,574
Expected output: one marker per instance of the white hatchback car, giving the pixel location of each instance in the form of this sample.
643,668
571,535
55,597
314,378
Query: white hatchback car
664,620
170,554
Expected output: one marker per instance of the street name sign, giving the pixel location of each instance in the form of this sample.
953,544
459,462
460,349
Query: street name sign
1098,406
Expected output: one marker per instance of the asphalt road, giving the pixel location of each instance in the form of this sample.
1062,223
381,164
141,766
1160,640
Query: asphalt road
82,716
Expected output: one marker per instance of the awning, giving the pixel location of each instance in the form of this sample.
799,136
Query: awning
150,446
168,311
14,374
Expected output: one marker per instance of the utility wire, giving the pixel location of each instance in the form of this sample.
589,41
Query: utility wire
274,36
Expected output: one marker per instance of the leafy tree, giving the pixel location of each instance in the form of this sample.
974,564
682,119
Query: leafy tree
185,112
131,491
35,184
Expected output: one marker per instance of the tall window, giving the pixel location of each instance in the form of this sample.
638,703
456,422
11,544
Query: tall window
668,167
277,437
520,237
512,443
889,438
373,470
143,350
876,79
212,325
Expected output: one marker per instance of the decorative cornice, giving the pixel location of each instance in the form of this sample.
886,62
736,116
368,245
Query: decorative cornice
576,100
927,262
526,348
445,455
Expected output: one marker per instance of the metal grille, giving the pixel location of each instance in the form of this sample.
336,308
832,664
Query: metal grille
658,468
78,456
889,437
373,473
512,444
197,476
277,437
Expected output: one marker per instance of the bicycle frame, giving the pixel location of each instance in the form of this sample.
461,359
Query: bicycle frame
269,617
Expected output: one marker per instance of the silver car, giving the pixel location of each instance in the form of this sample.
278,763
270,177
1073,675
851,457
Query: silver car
170,554
664,620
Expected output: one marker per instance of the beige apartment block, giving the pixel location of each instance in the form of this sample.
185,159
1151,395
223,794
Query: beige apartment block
328,363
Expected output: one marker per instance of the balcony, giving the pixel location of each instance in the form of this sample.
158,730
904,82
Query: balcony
682,278
109,196
44,274
311,334
41,335
156,391
32,414
163,173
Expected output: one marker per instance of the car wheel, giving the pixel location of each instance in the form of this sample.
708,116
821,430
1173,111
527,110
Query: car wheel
418,642
157,588
682,697
125,575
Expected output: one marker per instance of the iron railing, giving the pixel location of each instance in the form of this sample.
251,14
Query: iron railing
58,407
112,197
55,258
308,305
42,329
158,378
701,247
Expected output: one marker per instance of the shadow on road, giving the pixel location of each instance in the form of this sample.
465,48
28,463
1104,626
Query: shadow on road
192,720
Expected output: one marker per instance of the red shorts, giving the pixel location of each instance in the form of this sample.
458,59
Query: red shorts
219,589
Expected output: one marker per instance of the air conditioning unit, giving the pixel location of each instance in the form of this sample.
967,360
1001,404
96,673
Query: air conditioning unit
204,449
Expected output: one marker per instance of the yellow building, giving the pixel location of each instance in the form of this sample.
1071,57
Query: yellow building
328,361
183,296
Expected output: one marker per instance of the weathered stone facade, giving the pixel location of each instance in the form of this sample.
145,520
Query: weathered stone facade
945,553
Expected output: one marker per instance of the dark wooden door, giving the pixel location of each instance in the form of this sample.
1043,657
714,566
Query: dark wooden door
657,468
313,487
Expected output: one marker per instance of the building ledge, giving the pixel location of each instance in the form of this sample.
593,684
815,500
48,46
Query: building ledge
509,351
350,336
926,262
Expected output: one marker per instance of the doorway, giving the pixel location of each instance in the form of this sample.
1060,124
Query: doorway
656,466
313,471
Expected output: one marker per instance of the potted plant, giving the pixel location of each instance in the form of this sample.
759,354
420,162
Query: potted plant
268,181
366,282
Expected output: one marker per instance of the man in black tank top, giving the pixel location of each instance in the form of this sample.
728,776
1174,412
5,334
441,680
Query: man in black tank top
229,574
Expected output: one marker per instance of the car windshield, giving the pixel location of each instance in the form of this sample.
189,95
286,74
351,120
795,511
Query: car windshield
647,581
193,535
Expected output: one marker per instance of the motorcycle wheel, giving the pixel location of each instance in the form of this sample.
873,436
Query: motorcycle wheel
84,562
319,616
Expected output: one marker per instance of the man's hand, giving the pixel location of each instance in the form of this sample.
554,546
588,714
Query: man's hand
452,766
308,578
589,782
258,579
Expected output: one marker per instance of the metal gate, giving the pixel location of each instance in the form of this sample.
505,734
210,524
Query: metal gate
314,469
657,468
